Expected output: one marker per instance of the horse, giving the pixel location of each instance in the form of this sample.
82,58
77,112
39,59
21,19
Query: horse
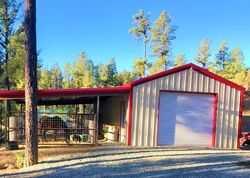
55,124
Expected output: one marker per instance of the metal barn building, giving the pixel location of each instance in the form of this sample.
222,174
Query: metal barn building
187,105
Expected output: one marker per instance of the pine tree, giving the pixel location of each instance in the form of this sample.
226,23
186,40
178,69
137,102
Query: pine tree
56,77
101,75
106,75
16,59
222,57
241,78
180,60
45,81
236,66
67,78
204,52
8,16
163,33
139,68
112,73
89,80
141,31
237,56
82,72
125,77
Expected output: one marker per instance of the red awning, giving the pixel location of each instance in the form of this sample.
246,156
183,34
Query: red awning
15,94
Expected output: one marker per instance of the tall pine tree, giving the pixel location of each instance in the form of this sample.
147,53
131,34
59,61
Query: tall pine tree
140,31
204,52
163,33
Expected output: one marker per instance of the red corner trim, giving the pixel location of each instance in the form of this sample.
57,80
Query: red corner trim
130,116
240,117
214,119
158,116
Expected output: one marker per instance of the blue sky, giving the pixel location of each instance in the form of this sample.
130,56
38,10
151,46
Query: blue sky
100,28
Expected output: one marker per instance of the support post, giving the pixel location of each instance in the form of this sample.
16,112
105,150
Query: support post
97,120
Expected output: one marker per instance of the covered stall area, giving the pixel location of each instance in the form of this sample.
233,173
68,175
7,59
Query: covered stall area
70,116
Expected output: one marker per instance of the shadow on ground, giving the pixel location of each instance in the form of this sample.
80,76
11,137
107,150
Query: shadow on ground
144,162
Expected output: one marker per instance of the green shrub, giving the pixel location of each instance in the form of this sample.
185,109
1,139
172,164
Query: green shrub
20,159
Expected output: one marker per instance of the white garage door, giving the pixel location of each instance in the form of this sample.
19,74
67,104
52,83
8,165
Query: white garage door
185,119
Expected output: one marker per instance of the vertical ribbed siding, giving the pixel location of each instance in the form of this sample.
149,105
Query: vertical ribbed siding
145,107
124,132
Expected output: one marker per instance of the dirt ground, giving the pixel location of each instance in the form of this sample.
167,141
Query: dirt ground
122,161
8,158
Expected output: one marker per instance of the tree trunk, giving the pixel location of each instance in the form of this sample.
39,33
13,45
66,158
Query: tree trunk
31,140
145,54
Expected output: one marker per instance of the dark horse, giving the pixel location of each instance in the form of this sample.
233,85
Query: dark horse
55,124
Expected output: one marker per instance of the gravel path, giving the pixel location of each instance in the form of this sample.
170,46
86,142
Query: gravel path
121,161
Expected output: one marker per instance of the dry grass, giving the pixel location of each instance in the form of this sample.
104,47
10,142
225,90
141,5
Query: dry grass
8,158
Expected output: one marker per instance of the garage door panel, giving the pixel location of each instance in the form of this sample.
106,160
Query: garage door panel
185,118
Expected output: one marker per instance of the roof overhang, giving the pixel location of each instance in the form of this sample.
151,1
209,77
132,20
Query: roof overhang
66,96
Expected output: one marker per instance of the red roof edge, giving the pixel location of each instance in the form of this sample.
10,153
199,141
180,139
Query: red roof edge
11,93
217,77
184,67
67,92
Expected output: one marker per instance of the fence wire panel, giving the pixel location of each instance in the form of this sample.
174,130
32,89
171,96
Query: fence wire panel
56,128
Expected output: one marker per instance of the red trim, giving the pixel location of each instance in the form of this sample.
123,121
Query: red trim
214,116
67,92
240,118
191,92
217,77
130,116
11,93
184,67
161,74
214,119
158,116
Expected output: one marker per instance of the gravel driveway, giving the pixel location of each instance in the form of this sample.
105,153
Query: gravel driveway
121,161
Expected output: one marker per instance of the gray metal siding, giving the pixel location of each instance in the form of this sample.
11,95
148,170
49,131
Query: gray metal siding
145,107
